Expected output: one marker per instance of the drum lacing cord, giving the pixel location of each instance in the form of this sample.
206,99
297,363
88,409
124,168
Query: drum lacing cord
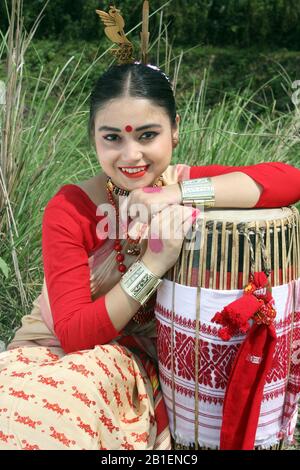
172,359
291,227
292,224
197,368
294,296
252,257
291,346
197,341
266,261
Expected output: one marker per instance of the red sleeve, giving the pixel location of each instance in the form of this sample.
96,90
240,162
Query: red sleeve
280,181
79,322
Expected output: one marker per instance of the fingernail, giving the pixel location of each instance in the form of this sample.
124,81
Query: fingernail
195,214
156,245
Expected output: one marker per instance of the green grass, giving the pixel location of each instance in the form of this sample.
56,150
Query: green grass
241,128
235,109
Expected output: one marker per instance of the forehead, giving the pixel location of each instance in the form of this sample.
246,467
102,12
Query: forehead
132,111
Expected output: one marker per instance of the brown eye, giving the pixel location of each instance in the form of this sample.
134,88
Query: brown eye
151,134
106,137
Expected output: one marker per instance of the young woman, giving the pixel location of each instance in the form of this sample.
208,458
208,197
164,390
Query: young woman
81,371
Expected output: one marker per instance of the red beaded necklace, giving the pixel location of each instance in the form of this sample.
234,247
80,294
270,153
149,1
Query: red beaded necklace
145,312
134,249
117,245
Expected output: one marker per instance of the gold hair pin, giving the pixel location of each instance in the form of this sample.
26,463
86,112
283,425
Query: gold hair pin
114,30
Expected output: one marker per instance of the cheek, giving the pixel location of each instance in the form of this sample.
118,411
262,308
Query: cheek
104,155
98,148
165,144
166,150
161,154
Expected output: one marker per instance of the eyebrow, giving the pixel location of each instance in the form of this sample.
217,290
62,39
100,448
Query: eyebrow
115,129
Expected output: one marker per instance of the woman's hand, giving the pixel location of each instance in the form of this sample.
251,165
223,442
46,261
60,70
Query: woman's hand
142,204
165,237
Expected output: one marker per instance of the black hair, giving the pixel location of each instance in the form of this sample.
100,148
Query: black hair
136,80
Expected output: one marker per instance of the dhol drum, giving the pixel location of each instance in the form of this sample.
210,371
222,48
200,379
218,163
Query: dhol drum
194,363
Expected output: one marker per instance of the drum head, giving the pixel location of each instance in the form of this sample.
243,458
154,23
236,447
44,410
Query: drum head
247,215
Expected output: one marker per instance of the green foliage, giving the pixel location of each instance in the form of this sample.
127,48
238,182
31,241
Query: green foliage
4,268
229,69
261,22
217,22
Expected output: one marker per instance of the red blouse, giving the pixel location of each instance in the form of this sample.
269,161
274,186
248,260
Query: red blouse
69,238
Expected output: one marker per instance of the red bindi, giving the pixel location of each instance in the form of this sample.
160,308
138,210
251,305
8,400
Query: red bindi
128,129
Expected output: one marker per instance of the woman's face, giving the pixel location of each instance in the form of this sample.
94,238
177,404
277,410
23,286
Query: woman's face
120,142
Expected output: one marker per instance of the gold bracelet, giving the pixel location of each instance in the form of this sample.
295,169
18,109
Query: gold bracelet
139,282
198,191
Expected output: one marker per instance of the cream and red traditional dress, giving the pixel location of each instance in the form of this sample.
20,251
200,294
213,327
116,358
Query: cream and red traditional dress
69,380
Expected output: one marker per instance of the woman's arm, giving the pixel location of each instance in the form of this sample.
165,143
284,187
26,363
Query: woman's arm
79,322
236,190
270,184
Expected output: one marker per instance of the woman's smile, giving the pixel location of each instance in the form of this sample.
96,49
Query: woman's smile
134,172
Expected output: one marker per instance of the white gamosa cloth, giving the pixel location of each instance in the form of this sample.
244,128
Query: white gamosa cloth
279,406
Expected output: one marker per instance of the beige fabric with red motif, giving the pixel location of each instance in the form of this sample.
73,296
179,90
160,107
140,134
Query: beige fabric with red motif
93,399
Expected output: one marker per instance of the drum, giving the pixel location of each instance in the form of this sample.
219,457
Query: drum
194,363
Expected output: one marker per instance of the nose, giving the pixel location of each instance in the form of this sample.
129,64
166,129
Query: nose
132,152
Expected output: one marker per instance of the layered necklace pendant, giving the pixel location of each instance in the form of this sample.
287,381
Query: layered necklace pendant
145,313
134,249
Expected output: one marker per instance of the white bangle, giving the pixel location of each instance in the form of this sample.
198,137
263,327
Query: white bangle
139,282
198,192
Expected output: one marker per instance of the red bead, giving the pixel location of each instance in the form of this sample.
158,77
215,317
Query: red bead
122,268
118,247
120,258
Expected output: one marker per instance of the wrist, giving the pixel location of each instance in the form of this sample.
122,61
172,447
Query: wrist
173,193
178,192
153,266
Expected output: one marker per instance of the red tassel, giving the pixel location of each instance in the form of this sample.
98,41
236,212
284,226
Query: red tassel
245,386
235,316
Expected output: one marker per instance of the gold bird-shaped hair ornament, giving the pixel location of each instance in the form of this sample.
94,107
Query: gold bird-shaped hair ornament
114,30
